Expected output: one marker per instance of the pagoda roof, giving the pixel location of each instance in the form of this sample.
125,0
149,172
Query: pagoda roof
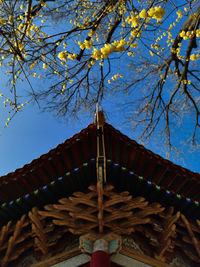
65,193
71,167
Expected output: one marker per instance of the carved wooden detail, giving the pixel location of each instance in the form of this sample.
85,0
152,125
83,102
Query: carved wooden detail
169,231
85,212
39,232
11,238
160,233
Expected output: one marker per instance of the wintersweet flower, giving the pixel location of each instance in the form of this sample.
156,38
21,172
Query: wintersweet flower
156,12
96,54
134,20
193,57
44,66
198,33
20,27
119,46
88,44
179,13
72,56
2,21
182,34
106,50
143,14
63,55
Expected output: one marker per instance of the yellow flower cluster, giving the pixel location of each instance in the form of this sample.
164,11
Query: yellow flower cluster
72,56
2,21
10,20
194,57
63,55
134,20
106,50
151,53
119,46
115,77
44,66
20,27
136,33
156,13
87,44
198,33
116,46
143,14
189,34
179,13
96,54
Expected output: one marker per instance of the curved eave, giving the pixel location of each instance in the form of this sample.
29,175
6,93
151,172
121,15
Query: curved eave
132,167
68,168
71,167
127,153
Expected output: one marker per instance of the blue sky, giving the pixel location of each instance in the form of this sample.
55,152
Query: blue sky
30,134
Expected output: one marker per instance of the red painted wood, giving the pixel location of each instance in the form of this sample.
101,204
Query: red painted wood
113,264
100,259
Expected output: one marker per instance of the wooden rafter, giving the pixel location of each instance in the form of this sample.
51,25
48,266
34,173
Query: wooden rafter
40,239
161,233
169,229
195,242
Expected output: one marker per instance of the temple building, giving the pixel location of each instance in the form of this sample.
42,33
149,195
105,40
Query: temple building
101,200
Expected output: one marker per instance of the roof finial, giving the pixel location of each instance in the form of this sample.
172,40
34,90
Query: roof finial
99,116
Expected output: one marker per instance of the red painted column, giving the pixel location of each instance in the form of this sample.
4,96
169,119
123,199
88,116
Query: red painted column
100,256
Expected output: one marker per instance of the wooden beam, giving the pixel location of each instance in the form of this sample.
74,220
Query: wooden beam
143,258
58,258
194,240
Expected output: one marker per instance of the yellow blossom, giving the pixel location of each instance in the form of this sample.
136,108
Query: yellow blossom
44,66
32,28
96,54
179,13
20,26
10,20
88,44
2,21
32,66
143,14
72,56
182,34
156,12
198,33
106,50
133,20
63,55
90,33
193,57
151,53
